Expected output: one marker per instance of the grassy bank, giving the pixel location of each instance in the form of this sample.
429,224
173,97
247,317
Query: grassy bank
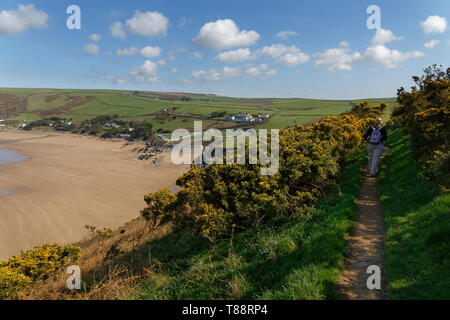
300,259
417,217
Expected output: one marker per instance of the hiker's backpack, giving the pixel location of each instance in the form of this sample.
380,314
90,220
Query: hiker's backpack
375,136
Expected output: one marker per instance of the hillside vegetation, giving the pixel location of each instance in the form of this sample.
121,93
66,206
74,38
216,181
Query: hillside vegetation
417,218
415,194
236,232
232,233
19,105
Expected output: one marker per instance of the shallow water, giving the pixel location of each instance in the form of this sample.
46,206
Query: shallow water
10,156
6,157
6,192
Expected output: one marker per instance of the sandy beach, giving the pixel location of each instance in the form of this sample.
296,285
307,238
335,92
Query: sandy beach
68,181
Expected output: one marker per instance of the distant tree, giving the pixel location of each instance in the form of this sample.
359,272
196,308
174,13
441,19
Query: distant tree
143,131
218,114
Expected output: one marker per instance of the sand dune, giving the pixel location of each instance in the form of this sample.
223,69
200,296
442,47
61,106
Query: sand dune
69,181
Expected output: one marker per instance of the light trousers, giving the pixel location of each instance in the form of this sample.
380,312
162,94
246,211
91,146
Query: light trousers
374,151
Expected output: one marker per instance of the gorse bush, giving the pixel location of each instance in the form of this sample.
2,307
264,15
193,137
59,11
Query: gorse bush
19,272
12,281
363,109
158,204
221,199
424,113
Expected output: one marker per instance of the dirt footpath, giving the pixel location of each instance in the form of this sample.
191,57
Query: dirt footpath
365,246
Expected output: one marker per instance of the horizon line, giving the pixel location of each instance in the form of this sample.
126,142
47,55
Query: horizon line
197,93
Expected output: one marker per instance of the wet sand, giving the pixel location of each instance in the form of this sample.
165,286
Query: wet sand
69,181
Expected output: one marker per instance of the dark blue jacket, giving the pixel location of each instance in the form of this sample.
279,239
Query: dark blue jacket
383,132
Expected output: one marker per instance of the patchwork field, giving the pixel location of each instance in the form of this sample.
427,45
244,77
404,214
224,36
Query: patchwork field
25,105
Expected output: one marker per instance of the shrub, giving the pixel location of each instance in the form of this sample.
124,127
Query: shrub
95,233
12,281
39,263
424,113
158,204
218,200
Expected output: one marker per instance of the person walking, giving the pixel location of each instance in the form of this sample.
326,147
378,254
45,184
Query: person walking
375,136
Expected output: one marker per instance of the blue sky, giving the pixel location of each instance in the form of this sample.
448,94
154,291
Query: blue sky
312,49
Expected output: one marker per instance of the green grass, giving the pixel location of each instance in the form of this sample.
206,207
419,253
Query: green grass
417,253
26,117
300,259
285,112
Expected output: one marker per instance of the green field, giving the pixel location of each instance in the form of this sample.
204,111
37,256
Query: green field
130,105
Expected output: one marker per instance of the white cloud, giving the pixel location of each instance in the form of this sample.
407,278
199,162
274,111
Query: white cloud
183,22
151,52
117,30
293,59
286,34
431,44
22,19
383,36
216,75
341,59
117,80
171,56
174,70
91,49
236,56
277,50
284,55
337,59
219,75
95,37
224,34
196,55
182,49
161,62
387,57
127,52
262,69
434,24
344,44
148,24
145,73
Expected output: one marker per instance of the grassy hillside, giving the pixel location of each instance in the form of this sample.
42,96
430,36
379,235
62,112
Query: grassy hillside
85,104
417,217
299,259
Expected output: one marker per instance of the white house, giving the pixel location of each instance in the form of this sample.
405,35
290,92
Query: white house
242,117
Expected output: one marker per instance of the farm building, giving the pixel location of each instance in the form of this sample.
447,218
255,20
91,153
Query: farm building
242,117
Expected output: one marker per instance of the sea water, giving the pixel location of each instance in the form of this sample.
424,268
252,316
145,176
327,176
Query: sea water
10,156
6,157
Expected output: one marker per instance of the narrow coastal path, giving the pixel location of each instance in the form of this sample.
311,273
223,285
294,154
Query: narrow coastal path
365,246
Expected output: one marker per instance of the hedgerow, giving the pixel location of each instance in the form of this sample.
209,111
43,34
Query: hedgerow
424,114
218,200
